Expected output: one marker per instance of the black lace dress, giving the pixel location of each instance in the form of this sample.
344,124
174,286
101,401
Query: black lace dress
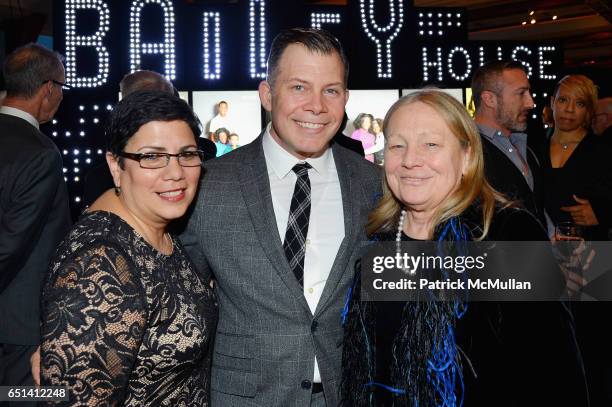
123,324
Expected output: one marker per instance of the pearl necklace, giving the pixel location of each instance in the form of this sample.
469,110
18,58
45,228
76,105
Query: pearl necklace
398,236
400,226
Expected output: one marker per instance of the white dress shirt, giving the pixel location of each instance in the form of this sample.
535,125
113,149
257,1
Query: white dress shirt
218,122
326,225
11,111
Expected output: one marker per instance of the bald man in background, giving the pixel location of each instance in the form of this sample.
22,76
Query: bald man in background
602,120
98,180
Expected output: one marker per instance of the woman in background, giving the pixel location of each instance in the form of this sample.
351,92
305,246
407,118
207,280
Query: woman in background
220,137
576,163
126,319
449,353
362,123
378,148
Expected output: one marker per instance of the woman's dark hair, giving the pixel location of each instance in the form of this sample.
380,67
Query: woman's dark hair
219,131
359,120
140,108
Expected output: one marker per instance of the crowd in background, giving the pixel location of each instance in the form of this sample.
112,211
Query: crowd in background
241,283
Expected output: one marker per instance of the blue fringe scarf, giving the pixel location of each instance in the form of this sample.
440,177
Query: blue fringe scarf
428,371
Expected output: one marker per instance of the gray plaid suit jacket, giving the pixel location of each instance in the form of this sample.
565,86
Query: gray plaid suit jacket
267,337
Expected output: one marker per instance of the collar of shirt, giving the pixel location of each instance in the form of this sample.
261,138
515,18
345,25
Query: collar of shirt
11,111
491,134
281,162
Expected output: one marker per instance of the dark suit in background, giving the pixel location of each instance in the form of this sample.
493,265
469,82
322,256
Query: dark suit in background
506,178
34,217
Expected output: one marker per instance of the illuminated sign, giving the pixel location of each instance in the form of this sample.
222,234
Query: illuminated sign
389,43
209,48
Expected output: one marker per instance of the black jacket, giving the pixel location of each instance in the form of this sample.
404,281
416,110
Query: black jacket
512,353
587,173
503,175
34,217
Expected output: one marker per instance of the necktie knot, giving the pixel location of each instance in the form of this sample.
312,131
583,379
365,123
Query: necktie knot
301,169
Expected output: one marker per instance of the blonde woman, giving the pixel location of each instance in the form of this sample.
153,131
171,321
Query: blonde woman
576,162
430,353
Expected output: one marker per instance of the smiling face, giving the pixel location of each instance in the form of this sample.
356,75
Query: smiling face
376,127
366,123
569,109
514,101
306,101
223,109
223,137
157,196
424,161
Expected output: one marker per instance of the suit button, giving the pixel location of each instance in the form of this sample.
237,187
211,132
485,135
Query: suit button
306,385
314,326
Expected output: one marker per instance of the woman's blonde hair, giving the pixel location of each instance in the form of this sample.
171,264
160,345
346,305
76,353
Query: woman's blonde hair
583,88
385,216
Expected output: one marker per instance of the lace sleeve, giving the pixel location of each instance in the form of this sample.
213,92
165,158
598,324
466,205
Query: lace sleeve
93,318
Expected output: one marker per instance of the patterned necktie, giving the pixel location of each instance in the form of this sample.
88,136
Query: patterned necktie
297,224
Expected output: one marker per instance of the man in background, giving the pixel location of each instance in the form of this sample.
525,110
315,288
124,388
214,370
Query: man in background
98,180
34,212
502,97
602,120
221,120
145,80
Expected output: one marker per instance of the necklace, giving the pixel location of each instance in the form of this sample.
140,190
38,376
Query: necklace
398,238
400,226
565,146
167,238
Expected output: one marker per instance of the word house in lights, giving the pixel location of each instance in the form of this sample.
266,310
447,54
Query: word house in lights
230,47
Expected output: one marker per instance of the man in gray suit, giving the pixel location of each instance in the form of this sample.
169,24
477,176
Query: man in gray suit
279,223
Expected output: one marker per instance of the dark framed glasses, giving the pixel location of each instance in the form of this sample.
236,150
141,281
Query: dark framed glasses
64,86
160,160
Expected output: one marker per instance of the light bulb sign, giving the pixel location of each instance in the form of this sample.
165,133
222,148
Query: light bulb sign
213,45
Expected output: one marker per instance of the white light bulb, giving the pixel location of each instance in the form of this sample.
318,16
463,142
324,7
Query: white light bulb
257,60
165,48
386,33
468,63
318,19
94,41
437,64
214,73
527,65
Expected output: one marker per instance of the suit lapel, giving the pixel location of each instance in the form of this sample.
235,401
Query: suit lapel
255,187
351,198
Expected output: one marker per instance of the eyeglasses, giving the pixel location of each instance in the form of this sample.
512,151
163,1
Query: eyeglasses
62,85
160,160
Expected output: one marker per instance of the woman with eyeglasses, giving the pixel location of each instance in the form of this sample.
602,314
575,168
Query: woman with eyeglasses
126,319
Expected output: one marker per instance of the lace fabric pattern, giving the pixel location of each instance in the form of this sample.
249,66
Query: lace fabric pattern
123,324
